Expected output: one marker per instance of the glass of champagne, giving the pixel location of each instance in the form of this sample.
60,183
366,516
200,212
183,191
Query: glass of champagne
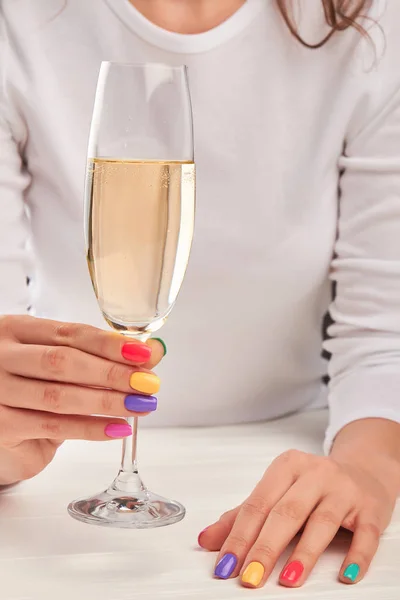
139,219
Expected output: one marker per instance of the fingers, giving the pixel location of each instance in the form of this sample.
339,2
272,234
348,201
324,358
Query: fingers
18,425
297,491
215,535
62,398
283,522
363,548
251,518
320,530
158,351
59,363
108,345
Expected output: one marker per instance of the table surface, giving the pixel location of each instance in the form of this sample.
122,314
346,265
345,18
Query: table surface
44,554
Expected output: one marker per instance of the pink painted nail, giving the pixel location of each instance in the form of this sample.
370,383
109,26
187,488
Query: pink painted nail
118,430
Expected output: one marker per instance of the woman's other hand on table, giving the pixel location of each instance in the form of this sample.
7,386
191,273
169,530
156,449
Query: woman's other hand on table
320,494
55,376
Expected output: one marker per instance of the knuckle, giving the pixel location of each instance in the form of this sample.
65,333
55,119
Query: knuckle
101,341
53,397
67,332
293,510
87,431
226,516
326,517
114,375
255,506
108,402
239,542
308,553
51,428
265,552
371,529
349,523
54,359
291,457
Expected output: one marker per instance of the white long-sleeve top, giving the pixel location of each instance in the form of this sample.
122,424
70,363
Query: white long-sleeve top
298,161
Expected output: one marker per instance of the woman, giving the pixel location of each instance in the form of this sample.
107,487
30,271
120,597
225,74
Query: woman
280,128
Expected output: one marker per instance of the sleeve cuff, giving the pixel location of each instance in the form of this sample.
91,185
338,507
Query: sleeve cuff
362,395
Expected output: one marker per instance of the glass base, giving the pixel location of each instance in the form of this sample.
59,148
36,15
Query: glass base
115,509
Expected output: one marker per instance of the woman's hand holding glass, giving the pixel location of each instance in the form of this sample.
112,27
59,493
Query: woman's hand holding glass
54,377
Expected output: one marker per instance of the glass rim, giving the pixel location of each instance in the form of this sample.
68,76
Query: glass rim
145,65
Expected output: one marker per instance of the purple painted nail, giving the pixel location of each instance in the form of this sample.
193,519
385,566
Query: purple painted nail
225,566
140,404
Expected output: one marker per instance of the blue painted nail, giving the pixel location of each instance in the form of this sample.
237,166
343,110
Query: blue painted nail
351,572
140,404
225,566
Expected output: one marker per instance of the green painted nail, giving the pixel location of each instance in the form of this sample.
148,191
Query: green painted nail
163,344
352,572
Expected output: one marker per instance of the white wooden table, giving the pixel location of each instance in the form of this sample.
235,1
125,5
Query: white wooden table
46,555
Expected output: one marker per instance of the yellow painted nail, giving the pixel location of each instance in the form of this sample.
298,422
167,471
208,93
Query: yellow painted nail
253,574
148,383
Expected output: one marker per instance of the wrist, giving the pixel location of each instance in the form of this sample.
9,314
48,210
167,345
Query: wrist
373,445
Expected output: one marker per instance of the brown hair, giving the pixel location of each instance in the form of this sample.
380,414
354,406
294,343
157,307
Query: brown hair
339,15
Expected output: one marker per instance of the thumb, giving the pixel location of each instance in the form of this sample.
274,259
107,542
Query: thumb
213,537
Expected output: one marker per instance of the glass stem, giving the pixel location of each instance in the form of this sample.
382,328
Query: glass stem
129,448
128,479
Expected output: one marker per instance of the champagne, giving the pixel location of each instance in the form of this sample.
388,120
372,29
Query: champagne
139,233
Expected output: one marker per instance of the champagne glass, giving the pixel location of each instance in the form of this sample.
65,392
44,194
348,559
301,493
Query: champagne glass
139,218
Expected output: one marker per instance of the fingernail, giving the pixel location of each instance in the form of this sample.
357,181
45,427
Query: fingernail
140,404
351,572
200,534
163,344
118,430
292,572
225,566
253,574
139,353
145,382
